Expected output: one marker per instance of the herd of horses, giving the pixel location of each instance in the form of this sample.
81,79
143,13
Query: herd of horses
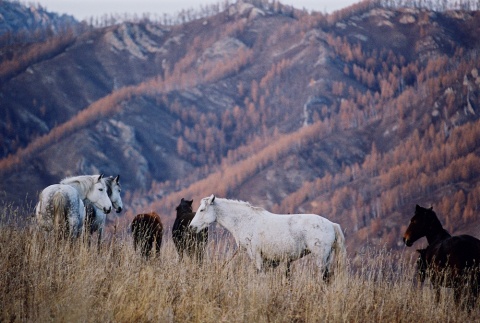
80,204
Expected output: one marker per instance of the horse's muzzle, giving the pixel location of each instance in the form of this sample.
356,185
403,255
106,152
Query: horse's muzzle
106,211
118,209
193,229
407,242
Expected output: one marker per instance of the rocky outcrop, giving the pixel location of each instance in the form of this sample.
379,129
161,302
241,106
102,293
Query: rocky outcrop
16,18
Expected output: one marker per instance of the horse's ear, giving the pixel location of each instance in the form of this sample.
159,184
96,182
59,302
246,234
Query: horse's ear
100,177
117,179
182,200
190,202
431,208
213,199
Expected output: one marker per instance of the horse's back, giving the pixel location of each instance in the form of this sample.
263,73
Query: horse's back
314,225
460,251
150,222
151,218
457,254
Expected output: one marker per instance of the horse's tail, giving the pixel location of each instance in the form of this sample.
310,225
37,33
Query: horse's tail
60,215
339,248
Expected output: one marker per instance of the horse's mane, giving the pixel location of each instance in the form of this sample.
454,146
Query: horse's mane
110,180
109,184
82,183
246,204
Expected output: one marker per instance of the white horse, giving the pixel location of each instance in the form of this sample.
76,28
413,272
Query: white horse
270,238
95,218
61,206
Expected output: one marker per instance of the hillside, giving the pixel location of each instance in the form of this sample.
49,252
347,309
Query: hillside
356,116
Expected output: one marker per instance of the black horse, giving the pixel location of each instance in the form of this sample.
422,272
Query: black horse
184,238
147,230
449,261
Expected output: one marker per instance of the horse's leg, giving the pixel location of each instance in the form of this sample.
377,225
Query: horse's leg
147,245
326,275
80,220
135,240
180,250
100,234
195,250
158,244
146,249
322,260
457,294
259,261
200,250
187,245
288,273
471,291
437,293
192,246
88,231
203,244
474,290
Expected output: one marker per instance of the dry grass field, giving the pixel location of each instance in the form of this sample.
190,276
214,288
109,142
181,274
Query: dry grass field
42,280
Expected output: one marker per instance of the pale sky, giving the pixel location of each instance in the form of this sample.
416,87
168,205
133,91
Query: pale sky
82,9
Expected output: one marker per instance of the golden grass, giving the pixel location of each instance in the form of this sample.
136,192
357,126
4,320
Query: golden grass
42,280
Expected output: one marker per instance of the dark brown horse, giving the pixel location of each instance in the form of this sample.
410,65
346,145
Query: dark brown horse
184,238
449,261
147,230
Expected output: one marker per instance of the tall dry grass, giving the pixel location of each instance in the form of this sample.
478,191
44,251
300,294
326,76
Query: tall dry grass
42,280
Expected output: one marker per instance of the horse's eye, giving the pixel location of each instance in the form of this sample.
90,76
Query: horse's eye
100,189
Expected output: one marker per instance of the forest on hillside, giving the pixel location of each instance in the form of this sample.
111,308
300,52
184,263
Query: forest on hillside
401,116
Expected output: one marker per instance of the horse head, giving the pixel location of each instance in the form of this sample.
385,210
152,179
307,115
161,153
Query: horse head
185,206
420,225
113,190
98,195
205,214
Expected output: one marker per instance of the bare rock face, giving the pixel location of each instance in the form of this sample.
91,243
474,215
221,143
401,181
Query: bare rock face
135,40
221,50
15,17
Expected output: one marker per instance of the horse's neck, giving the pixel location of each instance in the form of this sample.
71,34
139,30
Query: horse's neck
184,218
437,235
236,219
